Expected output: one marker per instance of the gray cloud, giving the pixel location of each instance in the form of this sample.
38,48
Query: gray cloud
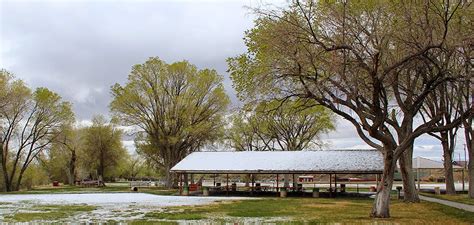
345,136
81,48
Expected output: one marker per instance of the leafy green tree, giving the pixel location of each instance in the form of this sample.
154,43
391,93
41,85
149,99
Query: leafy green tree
134,167
30,122
290,125
62,158
103,149
178,108
279,126
246,133
352,57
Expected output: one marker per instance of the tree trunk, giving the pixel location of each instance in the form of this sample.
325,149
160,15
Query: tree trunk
410,194
72,169
448,164
381,207
470,169
168,178
469,134
6,179
20,177
8,183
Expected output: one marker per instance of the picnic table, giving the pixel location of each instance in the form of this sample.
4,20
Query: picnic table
142,184
91,183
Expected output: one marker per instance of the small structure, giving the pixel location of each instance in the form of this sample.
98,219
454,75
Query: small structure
306,179
331,162
426,167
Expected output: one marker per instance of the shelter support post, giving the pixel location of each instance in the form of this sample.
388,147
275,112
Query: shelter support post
294,188
335,185
418,177
180,183
253,182
277,188
215,175
227,184
186,179
330,185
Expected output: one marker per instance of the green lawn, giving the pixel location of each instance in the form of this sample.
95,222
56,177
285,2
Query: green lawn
461,198
277,210
308,210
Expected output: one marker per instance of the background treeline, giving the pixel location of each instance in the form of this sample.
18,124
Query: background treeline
170,110
41,142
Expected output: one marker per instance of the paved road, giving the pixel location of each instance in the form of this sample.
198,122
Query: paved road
462,206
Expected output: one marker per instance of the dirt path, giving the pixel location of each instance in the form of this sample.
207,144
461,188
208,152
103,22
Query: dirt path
458,205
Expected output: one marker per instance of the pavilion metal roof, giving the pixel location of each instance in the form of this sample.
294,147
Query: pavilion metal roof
323,161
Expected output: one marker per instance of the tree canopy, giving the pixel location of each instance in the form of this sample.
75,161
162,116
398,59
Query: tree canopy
29,121
103,148
371,62
177,107
275,125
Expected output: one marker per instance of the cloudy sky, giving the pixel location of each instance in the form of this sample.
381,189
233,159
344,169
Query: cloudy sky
80,48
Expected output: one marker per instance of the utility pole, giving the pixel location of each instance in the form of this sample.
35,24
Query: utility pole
462,171
464,167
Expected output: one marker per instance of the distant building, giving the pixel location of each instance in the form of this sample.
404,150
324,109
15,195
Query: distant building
306,179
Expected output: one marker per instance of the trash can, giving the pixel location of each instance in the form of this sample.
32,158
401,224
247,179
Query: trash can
437,191
55,183
315,192
399,190
185,191
283,192
233,187
205,191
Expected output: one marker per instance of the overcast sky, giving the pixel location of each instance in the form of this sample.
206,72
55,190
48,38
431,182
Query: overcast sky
80,48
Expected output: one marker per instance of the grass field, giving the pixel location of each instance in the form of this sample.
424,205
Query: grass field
259,210
308,210
276,210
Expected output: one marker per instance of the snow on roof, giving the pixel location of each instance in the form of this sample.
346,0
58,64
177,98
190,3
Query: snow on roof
424,163
324,161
